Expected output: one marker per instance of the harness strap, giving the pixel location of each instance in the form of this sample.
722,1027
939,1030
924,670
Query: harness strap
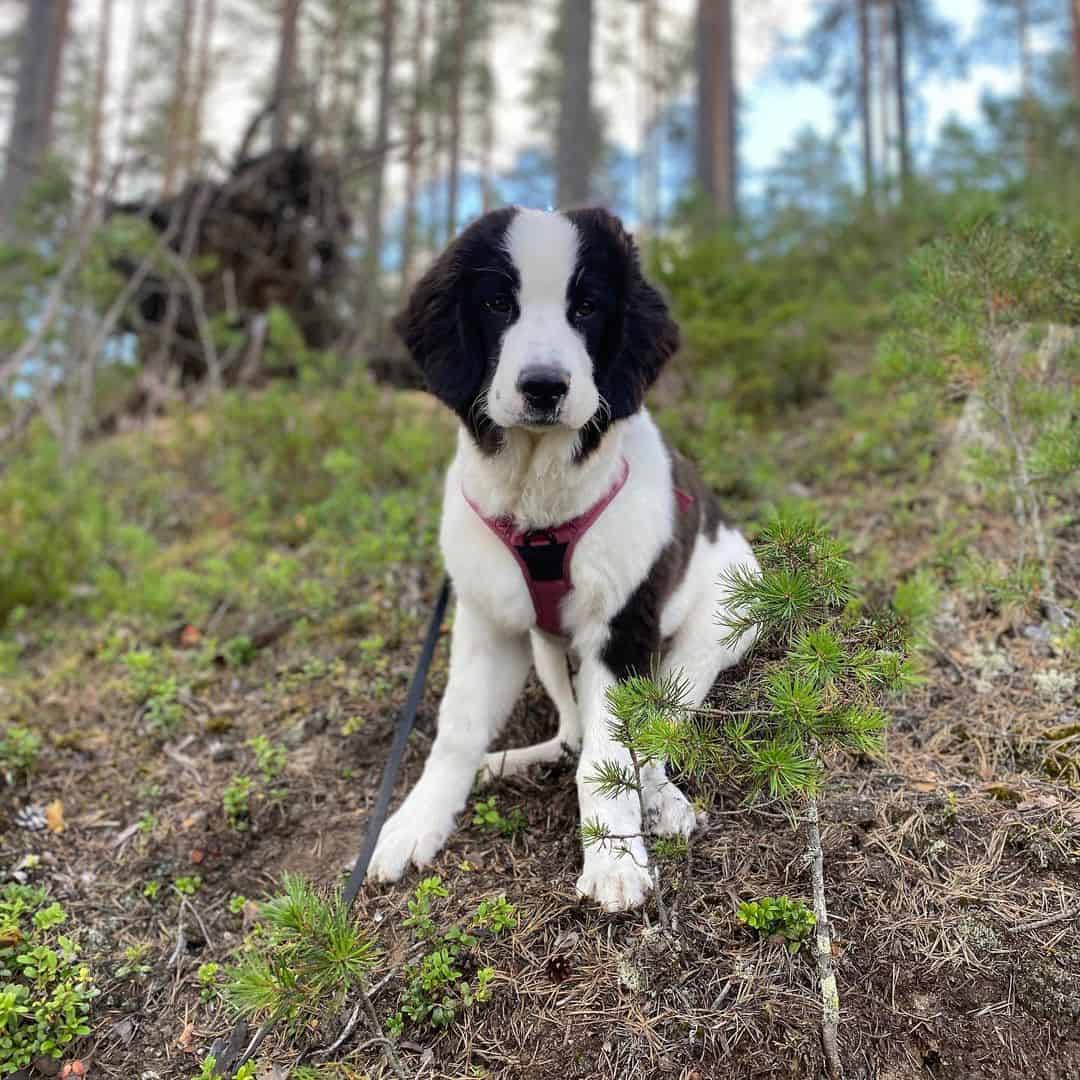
544,554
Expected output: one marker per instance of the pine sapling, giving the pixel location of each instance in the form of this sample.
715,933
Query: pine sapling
307,958
992,314
815,682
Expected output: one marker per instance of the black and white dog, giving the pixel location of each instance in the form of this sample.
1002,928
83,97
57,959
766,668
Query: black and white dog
568,525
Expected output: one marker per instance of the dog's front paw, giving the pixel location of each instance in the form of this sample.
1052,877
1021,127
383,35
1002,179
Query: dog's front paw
405,840
616,882
668,812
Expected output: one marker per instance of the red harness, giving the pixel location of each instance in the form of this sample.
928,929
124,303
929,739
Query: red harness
544,554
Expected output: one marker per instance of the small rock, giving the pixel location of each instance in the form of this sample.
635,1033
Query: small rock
124,1030
220,751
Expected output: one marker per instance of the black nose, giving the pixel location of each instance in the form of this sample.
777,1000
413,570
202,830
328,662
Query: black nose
543,386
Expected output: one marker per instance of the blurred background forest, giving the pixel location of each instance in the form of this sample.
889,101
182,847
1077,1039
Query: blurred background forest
219,497
186,185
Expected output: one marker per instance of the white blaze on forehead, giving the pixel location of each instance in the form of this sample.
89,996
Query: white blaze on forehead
544,247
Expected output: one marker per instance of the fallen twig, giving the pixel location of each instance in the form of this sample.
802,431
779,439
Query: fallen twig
1050,920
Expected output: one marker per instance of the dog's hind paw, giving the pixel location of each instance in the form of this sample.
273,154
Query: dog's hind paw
668,812
616,882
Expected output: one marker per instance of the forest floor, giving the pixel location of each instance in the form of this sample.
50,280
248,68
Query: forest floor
952,864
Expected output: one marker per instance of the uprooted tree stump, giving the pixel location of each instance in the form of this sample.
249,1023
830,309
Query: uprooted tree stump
270,234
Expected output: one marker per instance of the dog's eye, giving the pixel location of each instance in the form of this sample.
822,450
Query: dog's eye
499,305
583,308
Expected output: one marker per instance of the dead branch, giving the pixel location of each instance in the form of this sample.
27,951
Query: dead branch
830,996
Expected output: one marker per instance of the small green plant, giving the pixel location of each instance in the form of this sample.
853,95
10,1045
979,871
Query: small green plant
486,815
19,747
236,904
269,757
133,965
778,918
163,710
156,693
151,890
208,1070
239,651
436,989
495,915
420,921
207,978
236,801
45,992
187,885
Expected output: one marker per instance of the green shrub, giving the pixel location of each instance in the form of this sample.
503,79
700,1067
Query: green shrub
269,757
487,816
236,802
19,749
790,921
745,320
54,519
436,989
45,993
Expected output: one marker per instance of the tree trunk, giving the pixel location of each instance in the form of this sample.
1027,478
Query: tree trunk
126,105
178,108
575,151
487,115
41,54
1074,7
378,174
903,137
95,163
865,111
285,74
716,106
412,151
335,109
1027,100
436,179
203,70
649,172
457,78
884,86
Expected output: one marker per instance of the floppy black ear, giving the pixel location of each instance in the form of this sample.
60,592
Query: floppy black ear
430,326
645,336
650,338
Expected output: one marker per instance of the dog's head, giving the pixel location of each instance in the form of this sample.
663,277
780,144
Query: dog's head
537,320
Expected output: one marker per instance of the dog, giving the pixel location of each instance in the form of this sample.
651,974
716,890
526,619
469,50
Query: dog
569,528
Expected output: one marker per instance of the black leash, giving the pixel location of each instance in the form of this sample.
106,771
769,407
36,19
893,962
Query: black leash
397,747
231,1054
